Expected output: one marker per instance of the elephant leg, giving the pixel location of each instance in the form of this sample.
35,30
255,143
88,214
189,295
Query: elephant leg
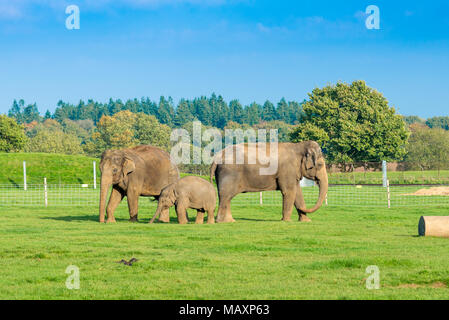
226,191
199,217
224,210
114,200
210,215
300,203
133,205
288,199
181,212
165,216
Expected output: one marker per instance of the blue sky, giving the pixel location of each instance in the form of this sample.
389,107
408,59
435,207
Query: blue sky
250,50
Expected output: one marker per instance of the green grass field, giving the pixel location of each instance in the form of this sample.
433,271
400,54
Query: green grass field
258,257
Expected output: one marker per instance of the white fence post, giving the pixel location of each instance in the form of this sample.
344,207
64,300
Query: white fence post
260,199
95,176
384,173
388,193
24,176
45,192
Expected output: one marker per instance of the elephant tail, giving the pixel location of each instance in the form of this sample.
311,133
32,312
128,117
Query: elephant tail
213,167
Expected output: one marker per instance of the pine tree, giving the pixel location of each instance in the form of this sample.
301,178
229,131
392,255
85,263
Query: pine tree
268,111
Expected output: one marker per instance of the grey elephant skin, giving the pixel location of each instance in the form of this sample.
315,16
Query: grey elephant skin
189,192
139,171
295,161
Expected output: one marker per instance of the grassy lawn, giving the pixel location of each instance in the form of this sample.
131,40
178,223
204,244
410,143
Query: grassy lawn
258,257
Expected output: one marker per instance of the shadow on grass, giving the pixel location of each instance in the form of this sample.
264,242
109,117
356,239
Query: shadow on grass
94,217
262,219
15,184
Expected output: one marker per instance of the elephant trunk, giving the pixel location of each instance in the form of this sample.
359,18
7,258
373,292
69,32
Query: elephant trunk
105,184
323,184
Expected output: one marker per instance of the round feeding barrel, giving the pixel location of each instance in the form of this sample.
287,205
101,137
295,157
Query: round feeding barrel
434,226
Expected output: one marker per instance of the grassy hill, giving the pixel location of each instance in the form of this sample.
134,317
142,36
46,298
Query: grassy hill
57,168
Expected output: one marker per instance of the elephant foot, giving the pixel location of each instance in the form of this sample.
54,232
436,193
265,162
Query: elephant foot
182,221
164,219
102,221
226,219
304,218
286,219
112,220
133,219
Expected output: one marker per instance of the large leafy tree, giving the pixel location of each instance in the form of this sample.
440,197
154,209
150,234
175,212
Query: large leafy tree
428,149
147,130
438,122
54,141
353,123
126,129
12,135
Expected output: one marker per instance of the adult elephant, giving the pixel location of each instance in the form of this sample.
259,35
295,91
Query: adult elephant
294,161
140,171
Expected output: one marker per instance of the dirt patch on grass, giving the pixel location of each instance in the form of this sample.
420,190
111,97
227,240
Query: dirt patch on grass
434,191
435,285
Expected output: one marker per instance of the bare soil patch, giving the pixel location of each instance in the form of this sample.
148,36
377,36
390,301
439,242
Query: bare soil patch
435,285
434,191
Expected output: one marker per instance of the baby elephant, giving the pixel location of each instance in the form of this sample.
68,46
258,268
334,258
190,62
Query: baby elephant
188,192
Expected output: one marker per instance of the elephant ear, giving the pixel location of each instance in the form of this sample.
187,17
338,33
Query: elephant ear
128,166
173,195
310,159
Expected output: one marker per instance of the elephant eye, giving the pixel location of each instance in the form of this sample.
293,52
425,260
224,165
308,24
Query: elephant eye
114,170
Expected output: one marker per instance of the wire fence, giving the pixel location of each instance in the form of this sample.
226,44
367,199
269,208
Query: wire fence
356,196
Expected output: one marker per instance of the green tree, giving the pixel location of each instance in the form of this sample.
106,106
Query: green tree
428,149
253,113
183,114
284,129
268,111
54,141
147,130
353,123
115,132
12,135
166,112
413,119
236,112
438,122
16,110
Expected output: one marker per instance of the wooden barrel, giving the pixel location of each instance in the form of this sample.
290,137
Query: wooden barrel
436,226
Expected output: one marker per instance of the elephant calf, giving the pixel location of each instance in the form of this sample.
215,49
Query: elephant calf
188,192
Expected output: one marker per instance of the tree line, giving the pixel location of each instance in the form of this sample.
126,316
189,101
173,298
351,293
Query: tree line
352,122
211,111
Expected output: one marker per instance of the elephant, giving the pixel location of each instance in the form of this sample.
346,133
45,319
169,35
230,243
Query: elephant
189,192
294,161
139,171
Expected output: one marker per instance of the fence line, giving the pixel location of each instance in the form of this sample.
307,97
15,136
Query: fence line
355,196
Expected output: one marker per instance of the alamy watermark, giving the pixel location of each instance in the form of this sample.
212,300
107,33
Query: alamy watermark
373,19
73,20
260,148
373,281
73,280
